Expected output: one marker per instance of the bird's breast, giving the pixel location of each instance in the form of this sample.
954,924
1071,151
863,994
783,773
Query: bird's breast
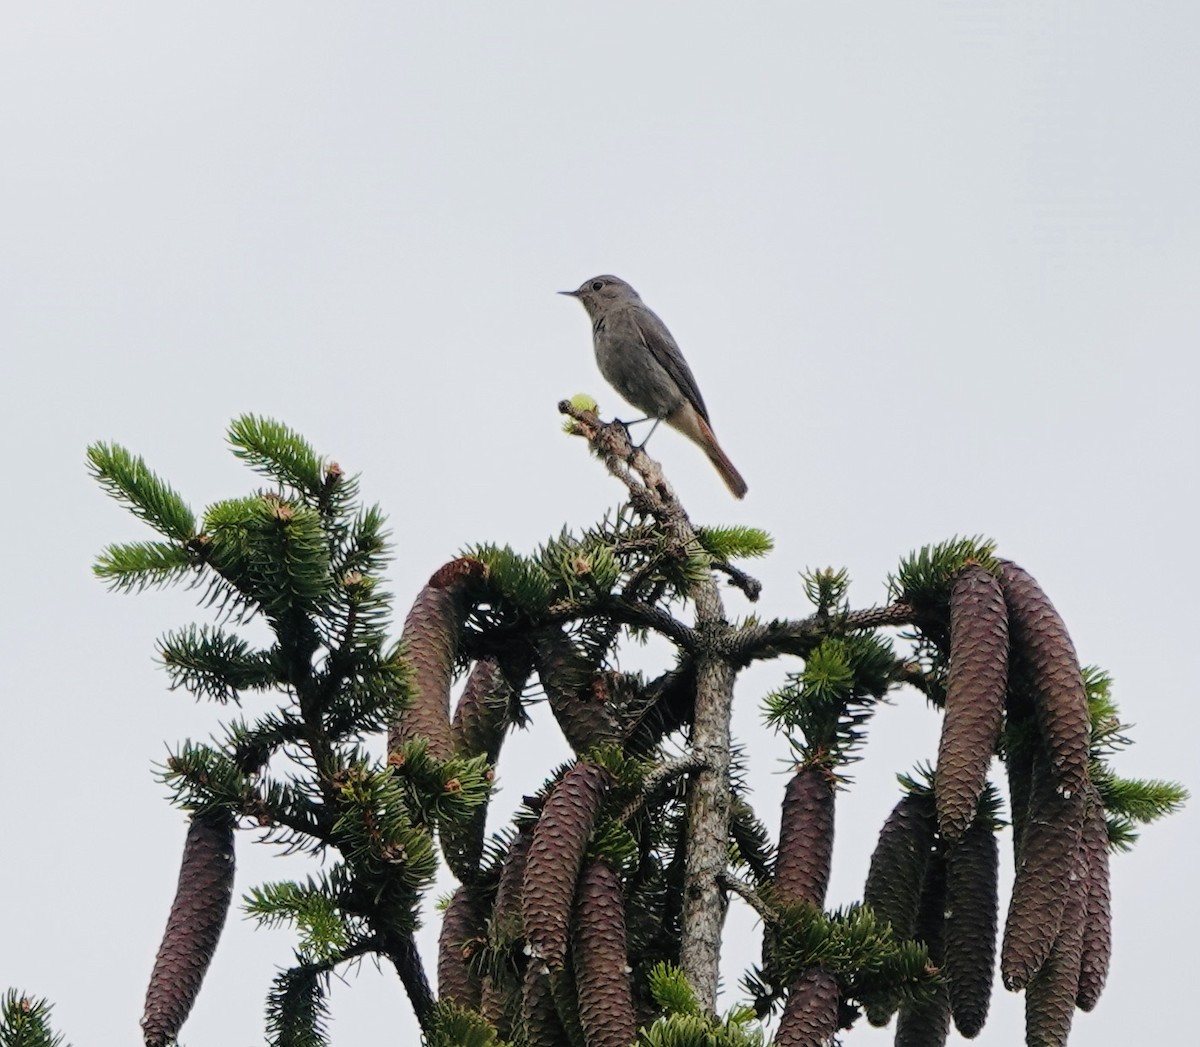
630,368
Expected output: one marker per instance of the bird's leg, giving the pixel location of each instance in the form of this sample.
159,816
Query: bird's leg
638,421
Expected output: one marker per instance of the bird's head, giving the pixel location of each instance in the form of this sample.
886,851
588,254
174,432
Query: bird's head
601,292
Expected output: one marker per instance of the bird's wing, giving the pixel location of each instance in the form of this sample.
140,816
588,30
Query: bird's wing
658,340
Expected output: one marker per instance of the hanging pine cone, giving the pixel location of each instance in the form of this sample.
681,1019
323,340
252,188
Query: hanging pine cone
896,876
927,1024
556,852
197,918
462,932
568,678
810,1016
430,639
481,715
1046,859
500,996
507,923
805,837
897,870
1050,994
1097,927
1020,750
1061,700
601,959
972,867
974,697
480,721
540,1023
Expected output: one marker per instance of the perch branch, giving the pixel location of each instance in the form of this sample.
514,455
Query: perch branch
708,795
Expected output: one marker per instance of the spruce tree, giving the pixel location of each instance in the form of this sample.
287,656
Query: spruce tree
596,918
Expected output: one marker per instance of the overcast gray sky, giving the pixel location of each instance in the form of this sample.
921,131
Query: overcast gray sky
935,267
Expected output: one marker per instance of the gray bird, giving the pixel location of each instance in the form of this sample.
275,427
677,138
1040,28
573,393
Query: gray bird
639,358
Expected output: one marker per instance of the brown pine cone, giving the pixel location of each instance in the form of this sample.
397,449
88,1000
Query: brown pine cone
1050,995
805,837
897,871
1021,742
927,1024
197,918
500,999
601,960
480,721
540,1023
481,715
579,707
810,1016
972,867
430,639
462,931
1097,924
1039,633
974,697
1046,858
556,852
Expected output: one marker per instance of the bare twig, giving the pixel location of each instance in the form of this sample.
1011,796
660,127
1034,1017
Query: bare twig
657,779
912,674
748,894
627,612
786,636
752,587
610,440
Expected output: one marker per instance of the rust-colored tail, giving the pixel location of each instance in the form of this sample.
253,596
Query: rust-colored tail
691,423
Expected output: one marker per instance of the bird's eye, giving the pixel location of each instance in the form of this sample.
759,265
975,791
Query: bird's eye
597,284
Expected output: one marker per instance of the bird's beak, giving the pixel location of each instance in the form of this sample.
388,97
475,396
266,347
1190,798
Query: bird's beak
573,294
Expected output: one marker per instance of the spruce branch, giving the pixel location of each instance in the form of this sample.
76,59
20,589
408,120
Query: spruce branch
134,566
129,480
278,452
214,664
25,1022
298,1007
764,640
625,611
401,950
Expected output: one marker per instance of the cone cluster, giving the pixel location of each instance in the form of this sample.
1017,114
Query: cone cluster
629,854
1014,683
